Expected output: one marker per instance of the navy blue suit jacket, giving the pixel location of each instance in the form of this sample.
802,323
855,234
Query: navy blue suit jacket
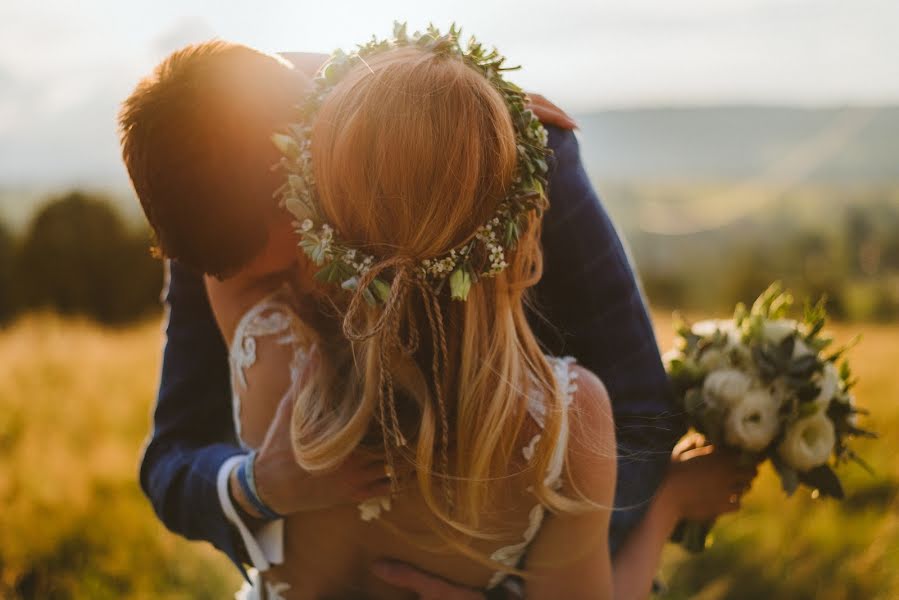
591,309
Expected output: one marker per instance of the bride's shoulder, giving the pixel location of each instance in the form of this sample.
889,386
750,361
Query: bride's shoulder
590,400
592,443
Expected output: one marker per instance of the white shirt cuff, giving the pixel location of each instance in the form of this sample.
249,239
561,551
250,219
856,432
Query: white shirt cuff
266,547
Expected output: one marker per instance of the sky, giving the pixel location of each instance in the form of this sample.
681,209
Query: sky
66,65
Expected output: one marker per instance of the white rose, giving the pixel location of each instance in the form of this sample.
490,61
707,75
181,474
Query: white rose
709,327
775,331
808,442
752,422
829,382
713,358
725,387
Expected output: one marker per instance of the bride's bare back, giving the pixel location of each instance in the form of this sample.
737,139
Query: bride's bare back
328,552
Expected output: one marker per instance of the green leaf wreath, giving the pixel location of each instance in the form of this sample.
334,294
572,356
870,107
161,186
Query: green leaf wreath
484,255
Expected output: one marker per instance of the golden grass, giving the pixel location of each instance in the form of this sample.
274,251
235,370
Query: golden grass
75,403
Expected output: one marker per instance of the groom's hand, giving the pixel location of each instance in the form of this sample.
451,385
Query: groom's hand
287,488
427,586
549,113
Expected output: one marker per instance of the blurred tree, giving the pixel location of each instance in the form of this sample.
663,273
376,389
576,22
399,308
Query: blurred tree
859,231
78,257
9,296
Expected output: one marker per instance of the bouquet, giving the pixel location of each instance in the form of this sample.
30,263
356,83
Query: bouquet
771,388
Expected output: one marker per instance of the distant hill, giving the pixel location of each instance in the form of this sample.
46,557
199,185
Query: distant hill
750,144
818,145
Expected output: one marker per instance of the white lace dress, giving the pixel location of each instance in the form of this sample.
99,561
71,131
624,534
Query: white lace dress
272,317
275,316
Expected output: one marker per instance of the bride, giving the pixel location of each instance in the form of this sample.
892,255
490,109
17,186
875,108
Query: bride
416,180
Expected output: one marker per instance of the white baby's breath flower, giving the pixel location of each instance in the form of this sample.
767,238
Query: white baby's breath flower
724,387
808,442
752,421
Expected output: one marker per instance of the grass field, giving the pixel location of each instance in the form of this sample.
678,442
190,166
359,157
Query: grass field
74,409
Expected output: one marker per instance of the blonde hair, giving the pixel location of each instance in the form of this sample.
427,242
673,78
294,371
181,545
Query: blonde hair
412,152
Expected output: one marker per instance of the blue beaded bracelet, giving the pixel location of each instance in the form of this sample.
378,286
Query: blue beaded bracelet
247,481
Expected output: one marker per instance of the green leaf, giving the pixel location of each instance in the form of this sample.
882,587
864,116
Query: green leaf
399,30
824,480
785,349
711,424
380,289
679,324
766,363
692,535
286,145
333,272
740,313
314,249
297,208
460,283
369,297
807,409
693,402
789,478
860,462
511,234
804,366
807,392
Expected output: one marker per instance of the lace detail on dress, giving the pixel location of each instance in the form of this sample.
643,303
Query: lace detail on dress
259,589
273,315
371,509
566,387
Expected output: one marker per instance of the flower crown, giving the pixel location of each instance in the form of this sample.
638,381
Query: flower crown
484,255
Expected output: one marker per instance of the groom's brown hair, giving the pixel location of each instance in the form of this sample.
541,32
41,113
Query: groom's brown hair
196,139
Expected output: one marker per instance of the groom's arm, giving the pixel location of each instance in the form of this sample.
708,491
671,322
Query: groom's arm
193,432
591,307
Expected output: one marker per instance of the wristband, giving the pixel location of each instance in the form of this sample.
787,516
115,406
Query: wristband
247,481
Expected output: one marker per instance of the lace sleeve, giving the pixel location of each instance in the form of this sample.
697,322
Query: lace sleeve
268,352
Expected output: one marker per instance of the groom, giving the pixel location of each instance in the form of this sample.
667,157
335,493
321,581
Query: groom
589,302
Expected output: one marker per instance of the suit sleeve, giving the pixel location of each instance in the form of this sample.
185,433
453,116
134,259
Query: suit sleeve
193,432
589,305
